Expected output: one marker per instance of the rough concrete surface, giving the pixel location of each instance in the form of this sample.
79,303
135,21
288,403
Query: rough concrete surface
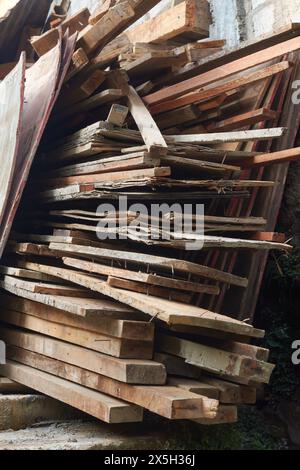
80,435
20,411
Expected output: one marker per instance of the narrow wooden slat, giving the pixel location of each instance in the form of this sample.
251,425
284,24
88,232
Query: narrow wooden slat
282,156
214,90
222,72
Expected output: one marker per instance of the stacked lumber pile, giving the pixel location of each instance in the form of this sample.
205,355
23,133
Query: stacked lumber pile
113,320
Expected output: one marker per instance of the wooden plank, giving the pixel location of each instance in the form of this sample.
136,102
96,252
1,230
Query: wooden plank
117,347
95,101
170,264
227,137
98,35
198,165
147,126
270,236
100,10
188,20
84,307
214,90
79,61
194,386
132,161
133,371
140,9
177,366
166,401
177,117
226,415
44,288
282,156
11,111
164,293
149,64
229,393
109,410
165,310
42,44
246,119
245,48
26,274
115,176
216,360
236,66
146,278
95,322
117,115
80,88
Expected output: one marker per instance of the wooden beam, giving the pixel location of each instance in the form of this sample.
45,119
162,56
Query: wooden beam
117,347
177,366
167,401
115,176
44,288
83,307
134,371
242,120
117,115
100,10
194,386
212,91
109,410
215,360
270,236
169,264
244,49
96,36
237,66
147,126
164,310
282,156
80,88
42,44
226,415
79,61
189,20
227,137
95,101
150,290
152,279
95,322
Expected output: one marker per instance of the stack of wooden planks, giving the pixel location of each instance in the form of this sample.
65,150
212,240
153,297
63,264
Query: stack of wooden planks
105,304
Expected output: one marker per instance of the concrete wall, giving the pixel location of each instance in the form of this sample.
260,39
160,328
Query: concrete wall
265,16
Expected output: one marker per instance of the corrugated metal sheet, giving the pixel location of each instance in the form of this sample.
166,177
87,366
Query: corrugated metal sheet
18,15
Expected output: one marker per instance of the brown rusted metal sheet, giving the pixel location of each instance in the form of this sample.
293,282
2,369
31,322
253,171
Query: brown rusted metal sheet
11,108
43,83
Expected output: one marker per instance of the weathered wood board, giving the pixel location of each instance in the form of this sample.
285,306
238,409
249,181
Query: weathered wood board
11,110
